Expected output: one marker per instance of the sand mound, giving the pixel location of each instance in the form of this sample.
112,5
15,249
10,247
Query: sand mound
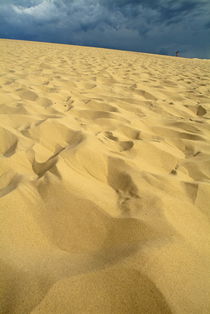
104,181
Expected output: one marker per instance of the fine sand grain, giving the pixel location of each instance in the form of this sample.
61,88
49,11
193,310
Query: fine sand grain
104,181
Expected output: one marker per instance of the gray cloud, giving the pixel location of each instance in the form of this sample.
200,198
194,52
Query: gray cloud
156,26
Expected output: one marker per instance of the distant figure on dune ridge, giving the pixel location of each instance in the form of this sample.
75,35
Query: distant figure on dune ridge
177,53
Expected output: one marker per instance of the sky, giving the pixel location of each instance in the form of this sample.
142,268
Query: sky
153,26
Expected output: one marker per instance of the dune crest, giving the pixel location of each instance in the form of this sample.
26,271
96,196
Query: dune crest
104,181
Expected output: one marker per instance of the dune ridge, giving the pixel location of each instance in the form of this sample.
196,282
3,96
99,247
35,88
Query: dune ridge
104,181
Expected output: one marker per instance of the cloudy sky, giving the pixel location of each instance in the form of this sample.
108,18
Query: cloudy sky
155,26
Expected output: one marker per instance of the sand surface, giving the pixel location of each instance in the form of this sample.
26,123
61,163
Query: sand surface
104,181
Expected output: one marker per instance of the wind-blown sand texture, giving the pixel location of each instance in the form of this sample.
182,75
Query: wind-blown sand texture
104,181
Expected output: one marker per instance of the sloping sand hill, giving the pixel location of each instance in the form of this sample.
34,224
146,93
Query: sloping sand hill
104,181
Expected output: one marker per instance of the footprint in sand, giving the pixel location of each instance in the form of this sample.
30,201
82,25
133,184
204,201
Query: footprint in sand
8,142
201,111
27,94
113,142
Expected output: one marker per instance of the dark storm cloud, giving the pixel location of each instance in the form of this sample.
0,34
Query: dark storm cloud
167,9
177,13
156,26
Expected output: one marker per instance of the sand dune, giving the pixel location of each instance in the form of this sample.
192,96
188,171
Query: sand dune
104,181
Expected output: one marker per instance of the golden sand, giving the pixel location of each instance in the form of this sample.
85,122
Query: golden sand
104,181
